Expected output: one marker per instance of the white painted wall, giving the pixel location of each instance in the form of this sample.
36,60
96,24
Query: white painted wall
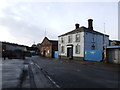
74,43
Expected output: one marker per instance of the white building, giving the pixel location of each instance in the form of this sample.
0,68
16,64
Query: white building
73,44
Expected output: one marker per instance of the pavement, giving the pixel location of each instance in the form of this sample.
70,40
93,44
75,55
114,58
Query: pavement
12,74
79,74
18,73
0,73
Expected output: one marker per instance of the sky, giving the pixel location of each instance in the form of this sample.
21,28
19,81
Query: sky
25,22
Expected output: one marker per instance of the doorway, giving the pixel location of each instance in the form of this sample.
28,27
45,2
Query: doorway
70,52
44,53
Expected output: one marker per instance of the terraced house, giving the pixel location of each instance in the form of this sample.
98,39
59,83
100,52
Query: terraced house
74,43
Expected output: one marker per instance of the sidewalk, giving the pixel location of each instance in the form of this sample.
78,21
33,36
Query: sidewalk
0,73
12,71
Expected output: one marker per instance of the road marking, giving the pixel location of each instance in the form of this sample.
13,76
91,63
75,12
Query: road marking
48,76
53,82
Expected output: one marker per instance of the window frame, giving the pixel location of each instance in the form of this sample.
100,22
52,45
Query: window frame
62,40
62,49
77,49
70,39
77,40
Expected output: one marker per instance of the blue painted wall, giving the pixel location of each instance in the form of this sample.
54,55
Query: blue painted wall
56,54
93,55
98,41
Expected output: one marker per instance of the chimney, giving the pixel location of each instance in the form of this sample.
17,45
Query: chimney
76,25
90,24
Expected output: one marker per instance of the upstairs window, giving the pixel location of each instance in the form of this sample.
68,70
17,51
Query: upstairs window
77,37
77,49
69,39
62,40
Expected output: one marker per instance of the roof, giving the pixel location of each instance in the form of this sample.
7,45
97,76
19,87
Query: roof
116,41
81,29
13,44
112,47
54,42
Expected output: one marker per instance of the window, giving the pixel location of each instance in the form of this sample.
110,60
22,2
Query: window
69,39
48,51
62,49
77,49
93,39
78,38
62,41
93,47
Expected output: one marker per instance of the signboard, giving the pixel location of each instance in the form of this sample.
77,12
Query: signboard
93,55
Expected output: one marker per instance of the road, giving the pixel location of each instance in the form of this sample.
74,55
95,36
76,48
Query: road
78,74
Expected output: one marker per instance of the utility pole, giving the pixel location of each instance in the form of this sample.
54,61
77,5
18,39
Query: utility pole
34,42
45,32
104,46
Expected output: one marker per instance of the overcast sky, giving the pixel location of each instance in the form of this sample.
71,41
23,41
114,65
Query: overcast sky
25,22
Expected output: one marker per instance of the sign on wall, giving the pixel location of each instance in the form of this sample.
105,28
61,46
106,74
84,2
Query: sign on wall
93,55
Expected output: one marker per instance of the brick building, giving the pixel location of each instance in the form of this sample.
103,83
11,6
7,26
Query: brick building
48,47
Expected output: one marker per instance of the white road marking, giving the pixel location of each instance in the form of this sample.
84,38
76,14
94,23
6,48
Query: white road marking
48,77
53,82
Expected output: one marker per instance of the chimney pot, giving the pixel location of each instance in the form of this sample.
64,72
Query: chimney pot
77,25
90,24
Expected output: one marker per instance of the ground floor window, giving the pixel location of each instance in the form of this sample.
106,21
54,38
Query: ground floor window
77,49
62,49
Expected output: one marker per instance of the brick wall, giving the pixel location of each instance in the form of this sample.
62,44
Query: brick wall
46,48
46,51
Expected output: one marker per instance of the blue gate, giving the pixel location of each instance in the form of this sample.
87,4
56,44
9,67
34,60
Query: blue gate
56,54
93,55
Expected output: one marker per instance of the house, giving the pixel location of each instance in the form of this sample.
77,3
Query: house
113,54
38,46
74,43
33,50
48,47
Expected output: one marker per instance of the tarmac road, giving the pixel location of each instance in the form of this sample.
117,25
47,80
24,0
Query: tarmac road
79,74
